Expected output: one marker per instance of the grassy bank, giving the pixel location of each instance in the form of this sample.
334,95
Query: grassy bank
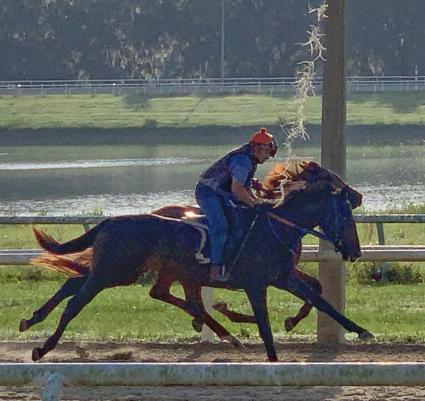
136,119
107,111
206,135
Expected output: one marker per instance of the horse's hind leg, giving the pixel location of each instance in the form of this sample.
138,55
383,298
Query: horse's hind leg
87,292
70,287
195,308
305,309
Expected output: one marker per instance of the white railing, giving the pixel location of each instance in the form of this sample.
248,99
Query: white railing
310,253
270,86
54,376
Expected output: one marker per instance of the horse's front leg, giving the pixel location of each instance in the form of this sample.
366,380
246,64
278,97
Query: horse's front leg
290,322
258,298
298,287
305,309
232,315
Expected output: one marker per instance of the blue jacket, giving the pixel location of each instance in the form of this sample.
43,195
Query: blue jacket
218,176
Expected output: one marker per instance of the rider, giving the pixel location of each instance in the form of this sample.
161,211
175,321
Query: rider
231,175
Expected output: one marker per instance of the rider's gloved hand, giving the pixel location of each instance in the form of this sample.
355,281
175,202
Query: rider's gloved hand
256,184
261,207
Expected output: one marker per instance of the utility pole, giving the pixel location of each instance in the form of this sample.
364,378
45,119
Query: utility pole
222,41
333,157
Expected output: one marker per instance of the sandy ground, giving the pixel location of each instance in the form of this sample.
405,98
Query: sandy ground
216,352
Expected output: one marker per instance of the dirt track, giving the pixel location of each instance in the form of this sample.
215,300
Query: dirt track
217,352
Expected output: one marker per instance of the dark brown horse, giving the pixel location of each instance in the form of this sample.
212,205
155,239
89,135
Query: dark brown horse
124,247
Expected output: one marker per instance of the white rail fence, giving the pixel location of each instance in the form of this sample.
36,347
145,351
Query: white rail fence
219,374
187,86
310,253
55,375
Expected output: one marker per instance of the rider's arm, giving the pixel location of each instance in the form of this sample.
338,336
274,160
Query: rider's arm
240,167
243,194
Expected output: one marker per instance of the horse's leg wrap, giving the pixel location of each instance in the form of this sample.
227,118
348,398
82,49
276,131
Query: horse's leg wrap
193,295
70,287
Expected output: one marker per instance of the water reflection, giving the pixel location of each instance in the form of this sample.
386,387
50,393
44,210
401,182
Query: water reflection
101,178
99,163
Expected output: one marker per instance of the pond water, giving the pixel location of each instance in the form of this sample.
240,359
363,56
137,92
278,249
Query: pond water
115,180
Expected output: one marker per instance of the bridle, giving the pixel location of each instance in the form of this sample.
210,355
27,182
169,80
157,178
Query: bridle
335,240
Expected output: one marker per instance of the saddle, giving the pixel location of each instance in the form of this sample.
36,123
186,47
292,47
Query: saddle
234,239
200,223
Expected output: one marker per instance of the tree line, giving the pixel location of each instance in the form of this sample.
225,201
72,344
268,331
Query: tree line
101,39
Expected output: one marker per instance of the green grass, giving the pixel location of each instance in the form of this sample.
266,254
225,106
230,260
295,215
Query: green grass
108,111
391,312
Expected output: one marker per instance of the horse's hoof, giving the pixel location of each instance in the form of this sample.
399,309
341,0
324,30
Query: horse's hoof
366,335
37,353
289,324
220,307
23,325
234,341
273,358
197,325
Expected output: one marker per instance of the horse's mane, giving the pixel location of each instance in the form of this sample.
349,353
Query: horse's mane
288,171
295,170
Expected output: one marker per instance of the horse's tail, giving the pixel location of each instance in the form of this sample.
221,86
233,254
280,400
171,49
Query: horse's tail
75,265
47,242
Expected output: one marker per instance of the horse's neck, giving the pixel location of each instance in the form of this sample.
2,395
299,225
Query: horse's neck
306,216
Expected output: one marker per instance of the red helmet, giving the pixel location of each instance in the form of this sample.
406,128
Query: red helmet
264,138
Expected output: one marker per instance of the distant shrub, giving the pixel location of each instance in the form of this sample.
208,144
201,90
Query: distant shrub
14,274
151,123
396,273
364,273
404,273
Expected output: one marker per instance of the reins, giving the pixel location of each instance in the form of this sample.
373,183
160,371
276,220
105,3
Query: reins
303,230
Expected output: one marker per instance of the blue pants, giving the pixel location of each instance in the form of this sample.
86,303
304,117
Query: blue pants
212,206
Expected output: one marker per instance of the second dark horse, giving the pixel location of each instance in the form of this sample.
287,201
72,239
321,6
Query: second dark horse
127,246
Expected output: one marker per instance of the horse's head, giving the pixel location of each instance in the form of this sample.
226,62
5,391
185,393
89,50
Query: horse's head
339,226
311,173
323,205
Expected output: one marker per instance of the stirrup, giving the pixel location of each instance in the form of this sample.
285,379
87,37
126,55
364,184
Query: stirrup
221,277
